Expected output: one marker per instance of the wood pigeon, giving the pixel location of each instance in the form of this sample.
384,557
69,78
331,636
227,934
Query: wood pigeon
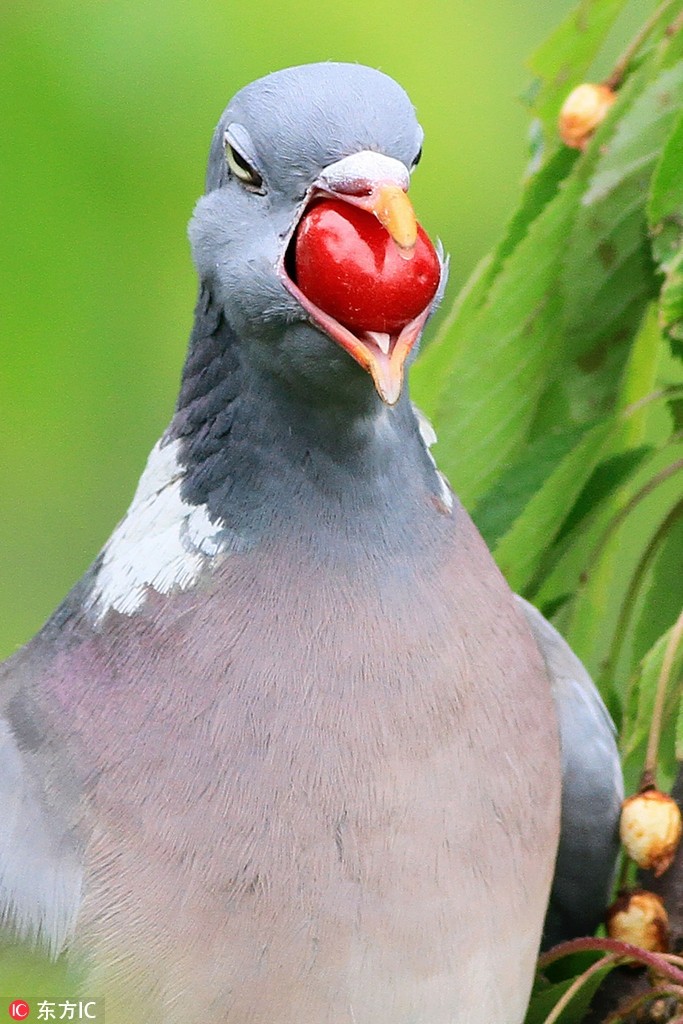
288,752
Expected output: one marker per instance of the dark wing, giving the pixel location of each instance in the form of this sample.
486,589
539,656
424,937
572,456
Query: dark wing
592,791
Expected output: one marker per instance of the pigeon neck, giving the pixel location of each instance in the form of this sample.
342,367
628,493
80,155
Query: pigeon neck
253,448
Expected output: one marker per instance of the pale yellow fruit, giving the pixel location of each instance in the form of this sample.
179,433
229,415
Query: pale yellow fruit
583,110
639,917
650,829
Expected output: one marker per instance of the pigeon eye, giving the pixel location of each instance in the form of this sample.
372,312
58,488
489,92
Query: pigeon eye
417,159
243,171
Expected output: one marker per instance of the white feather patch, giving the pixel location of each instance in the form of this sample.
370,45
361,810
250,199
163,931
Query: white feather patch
428,435
162,542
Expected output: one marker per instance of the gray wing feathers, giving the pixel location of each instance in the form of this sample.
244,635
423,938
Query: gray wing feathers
592,790
40,869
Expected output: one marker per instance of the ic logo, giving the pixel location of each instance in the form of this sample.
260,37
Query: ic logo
19,1010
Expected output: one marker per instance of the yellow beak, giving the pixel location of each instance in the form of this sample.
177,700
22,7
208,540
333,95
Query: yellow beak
394,210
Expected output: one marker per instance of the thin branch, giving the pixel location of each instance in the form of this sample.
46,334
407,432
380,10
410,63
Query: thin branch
624,950
577,984
667,392
621,66
650,766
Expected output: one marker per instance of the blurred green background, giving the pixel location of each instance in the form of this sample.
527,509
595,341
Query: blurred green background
107,111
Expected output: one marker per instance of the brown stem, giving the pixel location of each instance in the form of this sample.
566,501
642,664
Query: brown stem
621,67
649,775
623,950
667,392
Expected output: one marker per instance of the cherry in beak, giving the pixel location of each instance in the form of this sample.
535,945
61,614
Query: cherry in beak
362,268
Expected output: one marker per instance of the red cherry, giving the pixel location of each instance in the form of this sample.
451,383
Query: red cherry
350,267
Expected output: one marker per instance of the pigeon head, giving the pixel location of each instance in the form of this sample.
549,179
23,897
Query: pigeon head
327,148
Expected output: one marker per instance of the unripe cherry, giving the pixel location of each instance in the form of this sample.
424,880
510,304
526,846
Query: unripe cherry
639,917
650,829
583,110
347,263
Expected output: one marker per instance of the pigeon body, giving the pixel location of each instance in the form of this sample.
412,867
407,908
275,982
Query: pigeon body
288,751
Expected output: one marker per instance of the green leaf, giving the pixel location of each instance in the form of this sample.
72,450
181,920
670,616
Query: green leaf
661,597
561,62
608,273
500,357
641,704
603,482
665,216
540,189
545,997
429,375
521,552
429,372
640,379
665,205
675,406
497,510
671,299
596,562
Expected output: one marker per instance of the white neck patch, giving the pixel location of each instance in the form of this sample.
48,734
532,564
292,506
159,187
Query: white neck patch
163,543
429,438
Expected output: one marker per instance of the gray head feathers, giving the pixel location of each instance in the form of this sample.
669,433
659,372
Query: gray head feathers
303,118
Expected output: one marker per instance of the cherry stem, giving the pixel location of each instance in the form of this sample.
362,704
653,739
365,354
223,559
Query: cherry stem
621,67
649,776
622,950
577,984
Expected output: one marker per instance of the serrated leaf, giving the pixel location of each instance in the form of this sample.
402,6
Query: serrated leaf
644,690
665,204
539,190
430,372
431,368
661,597
521,551
500,357
665,216
562,61
597,561
608,272
498,509
640,378
671,299
546,996
602,483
